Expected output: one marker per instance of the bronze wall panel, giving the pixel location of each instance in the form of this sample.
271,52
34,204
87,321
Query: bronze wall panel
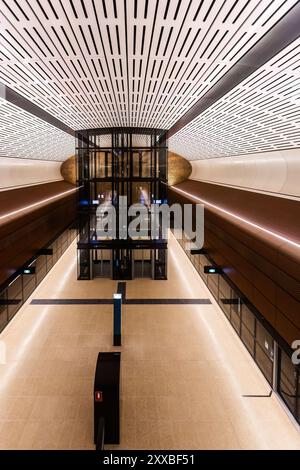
286,328
265,269
289,306
24,234
235,258
264,305
17,198
272,212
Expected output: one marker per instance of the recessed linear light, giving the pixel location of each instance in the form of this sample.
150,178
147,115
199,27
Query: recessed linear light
36,204
237,217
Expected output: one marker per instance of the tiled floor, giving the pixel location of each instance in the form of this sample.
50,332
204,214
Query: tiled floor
184,371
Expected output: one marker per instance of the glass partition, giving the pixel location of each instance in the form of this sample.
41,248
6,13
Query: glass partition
253,331
248,325
13,296
3,310
288,383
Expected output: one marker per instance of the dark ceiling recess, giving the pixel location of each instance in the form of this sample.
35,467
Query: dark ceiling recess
281,35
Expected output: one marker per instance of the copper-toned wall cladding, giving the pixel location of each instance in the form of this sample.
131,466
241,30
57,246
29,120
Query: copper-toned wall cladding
265,268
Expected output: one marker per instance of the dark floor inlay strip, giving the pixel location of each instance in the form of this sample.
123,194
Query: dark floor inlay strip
126,301
168,301
122,289
71,301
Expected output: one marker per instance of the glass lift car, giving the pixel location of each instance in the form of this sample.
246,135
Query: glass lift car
111,163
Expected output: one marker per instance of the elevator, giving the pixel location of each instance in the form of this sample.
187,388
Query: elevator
117,169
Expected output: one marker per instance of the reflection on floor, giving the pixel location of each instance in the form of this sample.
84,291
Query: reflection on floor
184,371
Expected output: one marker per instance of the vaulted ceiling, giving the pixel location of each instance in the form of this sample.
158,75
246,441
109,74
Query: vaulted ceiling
261,114
23,135
103,63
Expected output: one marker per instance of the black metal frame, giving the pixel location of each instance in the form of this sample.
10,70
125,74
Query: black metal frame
118,168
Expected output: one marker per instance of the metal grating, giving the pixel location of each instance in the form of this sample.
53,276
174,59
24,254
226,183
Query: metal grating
261,114
102,63
25,136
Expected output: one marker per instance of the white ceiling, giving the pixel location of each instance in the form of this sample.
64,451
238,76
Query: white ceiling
91,76
261,114
23,135
95,63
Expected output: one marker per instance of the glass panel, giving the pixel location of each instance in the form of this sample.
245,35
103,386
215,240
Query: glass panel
55,254
235,311
225,306
102,266
49,262
29,283
287,381
27,278
197,262
29,288
14,292
264,362
265,340
83,264
213,284
224,288
58,247
235,320
254,335
248,318
225,296
3,310
41,268
247,339
40,262
12,298
160,264
203,262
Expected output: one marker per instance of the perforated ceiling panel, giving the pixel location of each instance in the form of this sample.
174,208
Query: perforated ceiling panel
100,63
261,114
25,136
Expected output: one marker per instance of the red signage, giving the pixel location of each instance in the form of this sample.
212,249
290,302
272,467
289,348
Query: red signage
98,396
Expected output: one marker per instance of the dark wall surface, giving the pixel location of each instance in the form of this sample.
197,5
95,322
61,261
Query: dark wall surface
266,269
23,233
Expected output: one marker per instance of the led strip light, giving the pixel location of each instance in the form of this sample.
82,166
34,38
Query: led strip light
237,217
36,204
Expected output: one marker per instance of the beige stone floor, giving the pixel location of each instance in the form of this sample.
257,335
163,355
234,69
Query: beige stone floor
183,370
